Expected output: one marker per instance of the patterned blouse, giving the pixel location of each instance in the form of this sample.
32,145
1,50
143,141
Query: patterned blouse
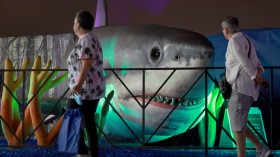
87,47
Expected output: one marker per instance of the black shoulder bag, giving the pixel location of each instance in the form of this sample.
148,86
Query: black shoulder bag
224,85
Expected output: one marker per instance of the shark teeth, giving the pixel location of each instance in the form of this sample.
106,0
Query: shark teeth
173,101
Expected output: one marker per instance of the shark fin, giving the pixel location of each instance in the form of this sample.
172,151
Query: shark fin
101,12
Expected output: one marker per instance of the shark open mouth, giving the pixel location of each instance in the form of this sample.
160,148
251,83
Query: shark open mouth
169,102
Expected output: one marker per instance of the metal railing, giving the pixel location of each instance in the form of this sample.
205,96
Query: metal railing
269,98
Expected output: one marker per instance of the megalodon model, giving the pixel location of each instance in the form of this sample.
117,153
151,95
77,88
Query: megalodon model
153,46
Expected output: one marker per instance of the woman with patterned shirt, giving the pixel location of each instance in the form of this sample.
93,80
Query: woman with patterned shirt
85,73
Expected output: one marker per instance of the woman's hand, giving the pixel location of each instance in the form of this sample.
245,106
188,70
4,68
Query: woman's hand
76,89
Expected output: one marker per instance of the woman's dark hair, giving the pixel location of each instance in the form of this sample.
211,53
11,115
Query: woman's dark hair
85,19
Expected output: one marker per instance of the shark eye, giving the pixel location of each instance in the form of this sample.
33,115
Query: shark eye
177,57
155,54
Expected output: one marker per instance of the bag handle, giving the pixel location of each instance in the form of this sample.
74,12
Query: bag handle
223,76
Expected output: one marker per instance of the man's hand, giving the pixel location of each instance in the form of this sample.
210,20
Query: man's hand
265,84
258,80
262,82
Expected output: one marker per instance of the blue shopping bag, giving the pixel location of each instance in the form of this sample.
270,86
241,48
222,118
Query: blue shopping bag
69,134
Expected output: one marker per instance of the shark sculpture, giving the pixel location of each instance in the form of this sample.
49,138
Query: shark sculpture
154,46
136,114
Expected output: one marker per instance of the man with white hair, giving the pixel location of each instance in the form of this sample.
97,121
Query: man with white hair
243,72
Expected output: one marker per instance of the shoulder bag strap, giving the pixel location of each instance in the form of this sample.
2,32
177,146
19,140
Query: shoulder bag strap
249,53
